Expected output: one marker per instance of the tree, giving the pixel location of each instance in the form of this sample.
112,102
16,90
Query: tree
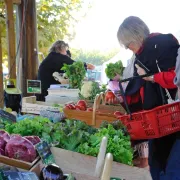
55,19
94,56
3,28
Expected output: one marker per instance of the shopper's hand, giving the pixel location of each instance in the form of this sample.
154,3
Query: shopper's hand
141,71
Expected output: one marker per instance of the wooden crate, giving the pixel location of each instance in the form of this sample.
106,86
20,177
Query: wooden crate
37,169
83,166
100,113
17,163
31,106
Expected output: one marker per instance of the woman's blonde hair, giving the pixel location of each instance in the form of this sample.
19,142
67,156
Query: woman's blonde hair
58,46
133,29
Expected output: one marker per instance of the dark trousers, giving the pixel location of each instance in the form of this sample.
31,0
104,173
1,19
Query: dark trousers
172,166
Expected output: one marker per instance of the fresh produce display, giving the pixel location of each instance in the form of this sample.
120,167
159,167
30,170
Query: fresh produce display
113,69
33,126
18,147
80,105
77,136
33,139
90,89
75,73
118,144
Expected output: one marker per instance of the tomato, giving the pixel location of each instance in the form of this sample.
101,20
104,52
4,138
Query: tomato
72,106
82,108
89,109
82,103
67,107
78,108
110,98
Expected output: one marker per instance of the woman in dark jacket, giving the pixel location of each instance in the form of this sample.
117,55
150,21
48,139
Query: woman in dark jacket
57,57
153,51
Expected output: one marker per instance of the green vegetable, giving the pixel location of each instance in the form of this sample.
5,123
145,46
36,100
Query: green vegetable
28,127
90,89
75,73
113,69
116,125
118,144
77,136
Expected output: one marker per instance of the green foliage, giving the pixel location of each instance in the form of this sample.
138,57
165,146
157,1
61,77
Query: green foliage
95,57
77,136
118,144
3,27
55,20
28,127
75,73
113,69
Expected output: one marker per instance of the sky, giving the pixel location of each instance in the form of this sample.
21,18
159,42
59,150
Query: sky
99,28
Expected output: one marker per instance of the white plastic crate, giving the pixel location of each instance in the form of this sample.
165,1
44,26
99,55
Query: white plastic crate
57,99
64,92
31,106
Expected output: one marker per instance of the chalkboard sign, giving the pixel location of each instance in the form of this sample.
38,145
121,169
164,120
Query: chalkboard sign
34,86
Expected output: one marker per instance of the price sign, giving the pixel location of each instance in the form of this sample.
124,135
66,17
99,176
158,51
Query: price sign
45,153
34,86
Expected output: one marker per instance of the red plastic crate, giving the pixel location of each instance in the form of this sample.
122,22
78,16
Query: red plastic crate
155,123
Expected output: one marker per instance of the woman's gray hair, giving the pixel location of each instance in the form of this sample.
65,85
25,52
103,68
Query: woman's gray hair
58,46
133,29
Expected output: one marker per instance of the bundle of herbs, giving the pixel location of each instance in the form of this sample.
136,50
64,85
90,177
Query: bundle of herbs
75,73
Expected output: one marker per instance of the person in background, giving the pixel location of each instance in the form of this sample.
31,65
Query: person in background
177,70
57,57
152,50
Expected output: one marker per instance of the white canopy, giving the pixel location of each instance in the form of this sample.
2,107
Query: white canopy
124,55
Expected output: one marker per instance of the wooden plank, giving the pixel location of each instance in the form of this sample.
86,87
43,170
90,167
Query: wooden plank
83,164
11,39
18,163
1,77
37,169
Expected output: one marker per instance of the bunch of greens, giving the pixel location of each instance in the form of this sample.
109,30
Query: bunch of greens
118,144
28,127
113,69
116,125
75,73
69,134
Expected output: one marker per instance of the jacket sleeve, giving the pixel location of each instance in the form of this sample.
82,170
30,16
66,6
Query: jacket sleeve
166,79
